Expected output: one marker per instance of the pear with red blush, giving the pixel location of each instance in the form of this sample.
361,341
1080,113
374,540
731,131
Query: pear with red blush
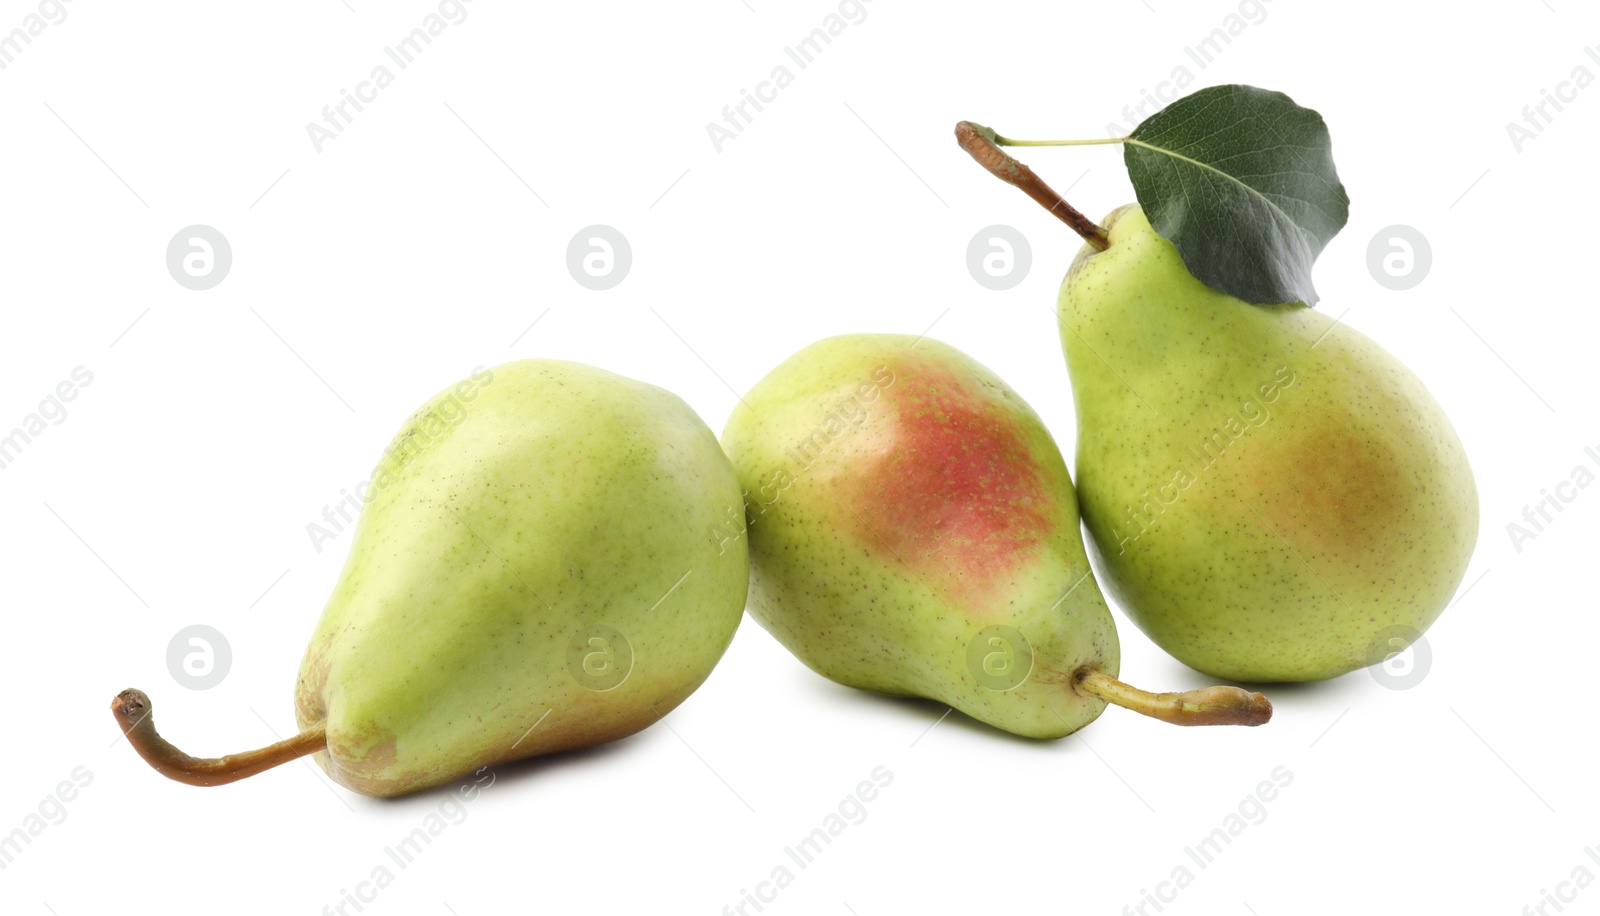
913,530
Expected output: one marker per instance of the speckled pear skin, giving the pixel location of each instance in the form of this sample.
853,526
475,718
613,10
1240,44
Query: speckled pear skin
1271,494
514,509
902,499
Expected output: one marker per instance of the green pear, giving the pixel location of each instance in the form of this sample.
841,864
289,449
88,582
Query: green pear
913,531
1272,495
538,567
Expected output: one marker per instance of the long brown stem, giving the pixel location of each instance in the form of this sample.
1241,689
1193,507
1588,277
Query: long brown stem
1207,706
979,142
132,710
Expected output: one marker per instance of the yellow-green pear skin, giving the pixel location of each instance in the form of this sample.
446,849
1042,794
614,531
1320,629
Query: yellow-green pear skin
535,569
1272,496
913,531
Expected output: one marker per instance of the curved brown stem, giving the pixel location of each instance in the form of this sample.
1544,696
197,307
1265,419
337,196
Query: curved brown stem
979,142
132,710
1207,706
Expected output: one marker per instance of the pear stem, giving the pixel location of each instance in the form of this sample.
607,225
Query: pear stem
132,710
982,144
1207,706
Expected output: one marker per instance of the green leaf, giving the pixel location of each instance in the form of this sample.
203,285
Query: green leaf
1241,181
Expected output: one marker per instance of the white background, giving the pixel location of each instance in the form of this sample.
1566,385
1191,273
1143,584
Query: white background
416,246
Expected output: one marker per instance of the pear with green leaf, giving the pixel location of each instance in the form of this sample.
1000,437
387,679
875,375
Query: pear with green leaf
1272,496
